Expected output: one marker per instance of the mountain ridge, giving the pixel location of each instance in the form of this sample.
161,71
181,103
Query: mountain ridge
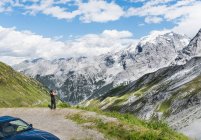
90,76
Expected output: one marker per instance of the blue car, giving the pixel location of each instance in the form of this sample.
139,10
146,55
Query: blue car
12,128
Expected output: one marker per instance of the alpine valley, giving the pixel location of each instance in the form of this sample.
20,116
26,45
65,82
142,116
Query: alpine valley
159,78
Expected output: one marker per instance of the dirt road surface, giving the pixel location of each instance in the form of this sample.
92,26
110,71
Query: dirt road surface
53,121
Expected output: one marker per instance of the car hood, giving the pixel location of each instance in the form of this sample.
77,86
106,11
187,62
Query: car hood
33,134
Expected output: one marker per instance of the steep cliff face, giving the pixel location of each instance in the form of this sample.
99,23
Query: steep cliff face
78,79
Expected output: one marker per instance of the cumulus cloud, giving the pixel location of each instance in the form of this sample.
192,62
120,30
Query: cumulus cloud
185,14
16,46
48,7
99,11
87,11
191,23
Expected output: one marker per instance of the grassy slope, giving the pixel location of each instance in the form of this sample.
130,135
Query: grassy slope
128,127
17,90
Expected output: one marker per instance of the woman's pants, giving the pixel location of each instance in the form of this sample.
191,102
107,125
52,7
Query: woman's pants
53,104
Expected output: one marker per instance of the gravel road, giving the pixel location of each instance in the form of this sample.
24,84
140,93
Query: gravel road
54,122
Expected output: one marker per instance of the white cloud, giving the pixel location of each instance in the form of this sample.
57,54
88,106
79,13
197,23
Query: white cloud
153,19
100,11
136,1
184,13
4,7
117,34
16,46
48,7
191,23
90,11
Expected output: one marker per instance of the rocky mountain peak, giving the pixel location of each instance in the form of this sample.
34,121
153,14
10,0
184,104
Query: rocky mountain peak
157,39
191,50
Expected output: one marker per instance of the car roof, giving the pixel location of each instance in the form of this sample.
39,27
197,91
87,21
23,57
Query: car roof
6,118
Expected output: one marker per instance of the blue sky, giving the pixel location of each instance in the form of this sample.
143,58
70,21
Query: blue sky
49,26
86,26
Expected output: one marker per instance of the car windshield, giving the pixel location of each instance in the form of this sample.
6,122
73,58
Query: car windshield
13,127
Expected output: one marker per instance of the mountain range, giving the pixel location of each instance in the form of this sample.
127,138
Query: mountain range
79,79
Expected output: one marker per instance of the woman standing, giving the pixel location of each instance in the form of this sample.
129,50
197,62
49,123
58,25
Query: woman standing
53,99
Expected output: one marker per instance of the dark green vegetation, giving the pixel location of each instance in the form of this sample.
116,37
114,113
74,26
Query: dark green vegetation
113,92
61,104
127,126
17,90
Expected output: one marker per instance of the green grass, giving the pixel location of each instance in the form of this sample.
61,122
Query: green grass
61,104
164,107
77,118
128,127
113,92
141,91
114,102
17,90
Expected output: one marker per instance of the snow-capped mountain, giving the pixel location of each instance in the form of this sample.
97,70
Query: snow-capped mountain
152,53
78,79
